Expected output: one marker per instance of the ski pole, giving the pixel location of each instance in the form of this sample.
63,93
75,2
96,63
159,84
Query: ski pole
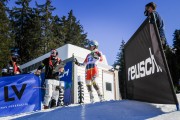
39,87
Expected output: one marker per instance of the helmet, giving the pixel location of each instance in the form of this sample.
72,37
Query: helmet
14,55
93,43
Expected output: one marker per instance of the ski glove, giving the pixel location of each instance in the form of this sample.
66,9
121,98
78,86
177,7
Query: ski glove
38,72
95,55
76,62
57,88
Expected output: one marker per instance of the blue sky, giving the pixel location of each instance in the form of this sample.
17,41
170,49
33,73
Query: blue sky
110,21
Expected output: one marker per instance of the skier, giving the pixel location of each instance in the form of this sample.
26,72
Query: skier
91,69
150,11
12,68
53,67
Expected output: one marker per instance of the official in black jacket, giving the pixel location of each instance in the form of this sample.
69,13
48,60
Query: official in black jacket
53,67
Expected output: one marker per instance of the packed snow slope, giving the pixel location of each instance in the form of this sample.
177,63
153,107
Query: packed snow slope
109,110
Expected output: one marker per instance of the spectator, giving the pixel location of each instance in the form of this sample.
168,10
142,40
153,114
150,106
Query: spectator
150,11
12,68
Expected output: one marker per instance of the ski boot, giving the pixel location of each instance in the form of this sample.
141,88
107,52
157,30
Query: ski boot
46,107
53,103
91,97
101,98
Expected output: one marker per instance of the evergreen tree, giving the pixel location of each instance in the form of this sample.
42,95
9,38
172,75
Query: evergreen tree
121,63
58,33
176,44
34,31
176,49
72,31
173,58
47,37
171,61
21,24
5,40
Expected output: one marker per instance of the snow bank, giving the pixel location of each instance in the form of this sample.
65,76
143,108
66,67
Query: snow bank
110,110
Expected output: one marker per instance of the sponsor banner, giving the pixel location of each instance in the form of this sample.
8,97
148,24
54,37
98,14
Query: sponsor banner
18,94
147,75
67,78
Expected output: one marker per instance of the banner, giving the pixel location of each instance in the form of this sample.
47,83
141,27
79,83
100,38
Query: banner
67,78
18,94
147,75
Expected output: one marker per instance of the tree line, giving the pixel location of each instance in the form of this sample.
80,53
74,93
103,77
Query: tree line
35,30
172,57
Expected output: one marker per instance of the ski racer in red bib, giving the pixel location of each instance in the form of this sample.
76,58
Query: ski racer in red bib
91,62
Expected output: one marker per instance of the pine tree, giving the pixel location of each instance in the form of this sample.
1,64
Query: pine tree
171,60
47,37
121,63
176,49
58,33
5,40
34,31
176,44
72,31
21,24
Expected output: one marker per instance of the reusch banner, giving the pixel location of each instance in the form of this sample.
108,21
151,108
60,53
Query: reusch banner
147,75
67,78
18,95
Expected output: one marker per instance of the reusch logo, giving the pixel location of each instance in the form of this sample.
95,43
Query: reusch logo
144,68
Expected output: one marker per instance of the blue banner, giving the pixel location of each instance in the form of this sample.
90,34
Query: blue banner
19,94
67,78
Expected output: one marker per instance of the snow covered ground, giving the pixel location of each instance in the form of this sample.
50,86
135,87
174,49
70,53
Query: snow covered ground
110,110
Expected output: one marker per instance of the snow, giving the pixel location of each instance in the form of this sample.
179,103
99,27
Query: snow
108,110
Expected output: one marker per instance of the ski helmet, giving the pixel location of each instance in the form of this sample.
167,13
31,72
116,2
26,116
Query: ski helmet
14,55
93,43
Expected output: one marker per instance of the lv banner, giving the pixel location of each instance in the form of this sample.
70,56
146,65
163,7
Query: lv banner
147,74
18,95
